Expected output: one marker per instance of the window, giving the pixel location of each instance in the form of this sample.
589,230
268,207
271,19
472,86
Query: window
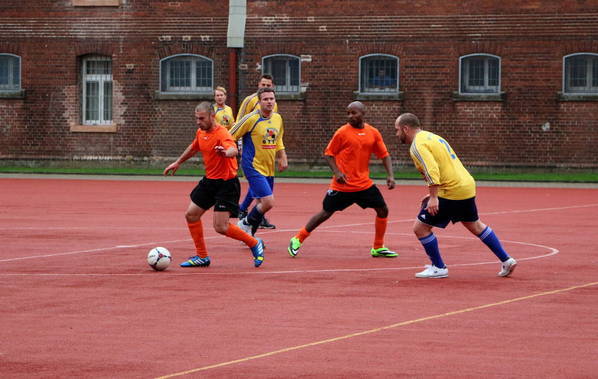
285,71
97,90
479,74
581,73
186,74
10,72
379,74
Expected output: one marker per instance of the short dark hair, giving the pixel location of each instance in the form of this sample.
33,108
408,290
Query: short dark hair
263,90
267,76
205,106
410,120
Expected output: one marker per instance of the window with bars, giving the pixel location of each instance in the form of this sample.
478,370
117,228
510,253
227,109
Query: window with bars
480,73
581,73
379,74
186,74
10,72
285,70
97,90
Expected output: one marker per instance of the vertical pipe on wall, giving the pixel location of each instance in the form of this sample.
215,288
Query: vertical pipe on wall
233,89
235,39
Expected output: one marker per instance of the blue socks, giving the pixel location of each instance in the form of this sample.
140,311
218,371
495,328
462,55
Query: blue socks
246,202
254,218
491,240
430,244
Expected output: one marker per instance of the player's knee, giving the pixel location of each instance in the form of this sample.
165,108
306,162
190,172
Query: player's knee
221,228
382,212
192,216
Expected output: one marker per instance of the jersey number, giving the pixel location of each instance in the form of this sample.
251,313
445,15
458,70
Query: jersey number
448,147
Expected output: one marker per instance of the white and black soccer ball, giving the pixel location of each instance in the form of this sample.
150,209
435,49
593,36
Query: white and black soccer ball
159,258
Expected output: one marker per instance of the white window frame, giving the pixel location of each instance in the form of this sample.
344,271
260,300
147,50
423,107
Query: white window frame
14,83
288,87
368,90
588,88
486,88
193,88
101,80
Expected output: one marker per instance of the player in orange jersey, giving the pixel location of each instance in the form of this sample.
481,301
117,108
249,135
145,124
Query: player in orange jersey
348,155
219,187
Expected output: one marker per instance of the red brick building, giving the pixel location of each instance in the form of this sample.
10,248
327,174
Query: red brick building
509,83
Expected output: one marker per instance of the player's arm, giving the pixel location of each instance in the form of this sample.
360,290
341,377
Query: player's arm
241,127
390,176
242,108
228,149
190,151
281,153
338,175
281,158
433,207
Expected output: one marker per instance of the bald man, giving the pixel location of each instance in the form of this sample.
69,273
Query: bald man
451,196
348,155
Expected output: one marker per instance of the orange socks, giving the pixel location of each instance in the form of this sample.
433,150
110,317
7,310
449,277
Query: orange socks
380,231
302,235
196,230
234,232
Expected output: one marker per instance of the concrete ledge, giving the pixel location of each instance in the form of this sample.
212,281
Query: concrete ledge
17,94
96,3
183,96
112,128
577,97
479,96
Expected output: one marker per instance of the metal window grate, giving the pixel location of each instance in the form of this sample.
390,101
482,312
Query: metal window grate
10,72
186,74
480,74
285,72
581,73
379,74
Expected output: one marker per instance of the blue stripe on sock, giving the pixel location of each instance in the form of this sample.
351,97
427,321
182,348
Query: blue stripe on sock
430,244
491,240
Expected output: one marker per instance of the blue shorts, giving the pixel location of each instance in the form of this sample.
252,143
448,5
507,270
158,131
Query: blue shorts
260,186
449,211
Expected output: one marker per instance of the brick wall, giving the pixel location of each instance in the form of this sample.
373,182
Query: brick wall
531,126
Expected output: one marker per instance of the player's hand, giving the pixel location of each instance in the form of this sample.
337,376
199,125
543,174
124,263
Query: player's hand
432,207
282,165
341,178
220,150
390,182
171,169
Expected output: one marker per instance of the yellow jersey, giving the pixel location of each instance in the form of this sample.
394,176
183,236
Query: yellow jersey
224,116
262,138
439,165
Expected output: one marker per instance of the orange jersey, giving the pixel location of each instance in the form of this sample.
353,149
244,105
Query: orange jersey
352,148
217,166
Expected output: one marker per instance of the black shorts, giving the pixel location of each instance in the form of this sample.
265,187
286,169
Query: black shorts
222,194
369,198
449,211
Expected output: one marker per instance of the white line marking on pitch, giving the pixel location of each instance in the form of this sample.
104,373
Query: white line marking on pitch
552,251
324,227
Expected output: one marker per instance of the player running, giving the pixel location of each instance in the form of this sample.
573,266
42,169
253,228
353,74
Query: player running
261,131
219,187
250,104
348,155
451,197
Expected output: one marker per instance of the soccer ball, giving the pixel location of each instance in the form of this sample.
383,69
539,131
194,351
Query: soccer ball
159,258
